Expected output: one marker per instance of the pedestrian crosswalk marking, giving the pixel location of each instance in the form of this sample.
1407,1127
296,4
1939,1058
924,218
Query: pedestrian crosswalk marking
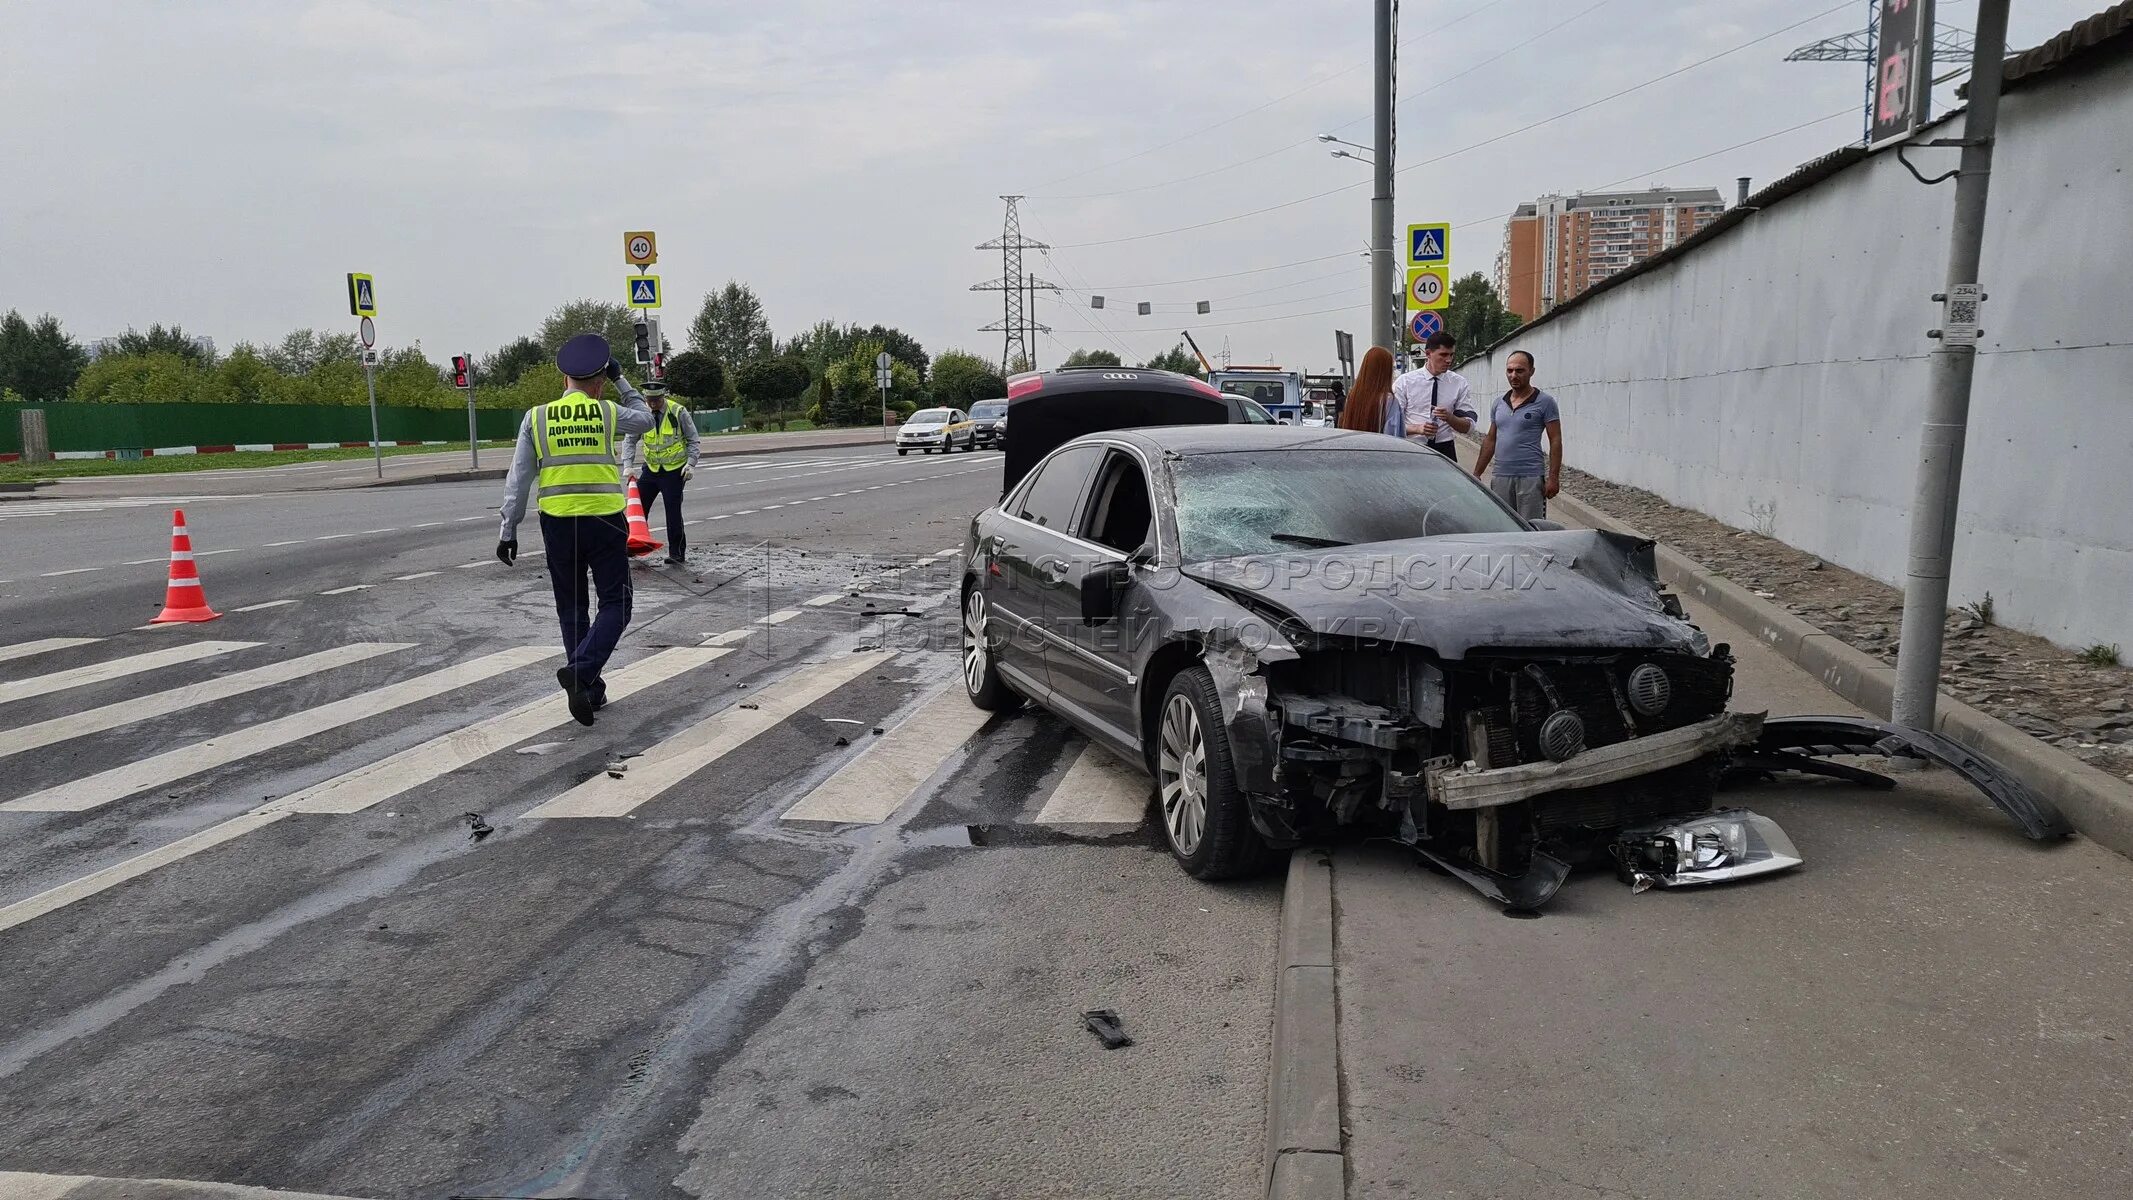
727,638
67,893
388,777
1098,794
42,646
678,757
117,668
868,789
157,704
169,767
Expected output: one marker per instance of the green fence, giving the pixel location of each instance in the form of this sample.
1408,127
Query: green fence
717,420
145,426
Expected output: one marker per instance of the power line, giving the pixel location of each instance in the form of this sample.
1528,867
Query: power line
1322,80
1140,237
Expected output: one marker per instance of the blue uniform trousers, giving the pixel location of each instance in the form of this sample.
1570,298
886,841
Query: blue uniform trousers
599,546
654,484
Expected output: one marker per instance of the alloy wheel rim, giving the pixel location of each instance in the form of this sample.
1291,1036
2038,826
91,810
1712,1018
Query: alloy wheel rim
976,659
1182,774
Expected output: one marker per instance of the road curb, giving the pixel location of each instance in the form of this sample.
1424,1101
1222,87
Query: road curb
26,1185
1304,1157
2098,805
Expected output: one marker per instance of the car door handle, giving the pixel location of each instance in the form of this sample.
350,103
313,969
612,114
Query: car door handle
1056,570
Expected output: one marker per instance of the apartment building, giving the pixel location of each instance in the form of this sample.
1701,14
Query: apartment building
1557,246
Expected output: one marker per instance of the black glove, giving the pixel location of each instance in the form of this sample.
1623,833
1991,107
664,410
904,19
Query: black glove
614,370
507,551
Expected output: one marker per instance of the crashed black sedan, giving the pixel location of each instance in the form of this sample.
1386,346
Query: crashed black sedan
1297,630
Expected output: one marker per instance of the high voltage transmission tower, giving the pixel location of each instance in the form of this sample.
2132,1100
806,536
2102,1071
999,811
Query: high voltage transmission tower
1018,290
1949,45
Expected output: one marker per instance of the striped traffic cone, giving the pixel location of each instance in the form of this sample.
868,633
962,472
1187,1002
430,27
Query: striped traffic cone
182,599
640,531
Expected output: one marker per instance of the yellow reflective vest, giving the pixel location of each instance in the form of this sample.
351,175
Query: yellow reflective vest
579,475
664,449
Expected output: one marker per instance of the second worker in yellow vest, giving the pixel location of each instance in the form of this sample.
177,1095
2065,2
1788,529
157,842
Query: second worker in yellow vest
661,460
567,456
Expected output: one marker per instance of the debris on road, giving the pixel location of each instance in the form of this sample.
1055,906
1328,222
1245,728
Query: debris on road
477,828
1103,1022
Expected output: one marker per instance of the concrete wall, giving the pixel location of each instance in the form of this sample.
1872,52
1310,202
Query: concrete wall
1783,364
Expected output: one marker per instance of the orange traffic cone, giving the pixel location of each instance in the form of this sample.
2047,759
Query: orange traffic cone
640,532
183,600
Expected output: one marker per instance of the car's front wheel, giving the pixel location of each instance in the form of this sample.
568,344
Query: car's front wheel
1205,820
981,672
901,451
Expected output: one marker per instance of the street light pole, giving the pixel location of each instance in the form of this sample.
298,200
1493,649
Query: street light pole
1384,318
1940,443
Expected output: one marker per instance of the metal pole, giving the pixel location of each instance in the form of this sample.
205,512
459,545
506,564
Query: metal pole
377,455
473,431
1384,317
1940,443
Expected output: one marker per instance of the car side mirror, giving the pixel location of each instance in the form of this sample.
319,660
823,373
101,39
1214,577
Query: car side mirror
1542,523
1101,590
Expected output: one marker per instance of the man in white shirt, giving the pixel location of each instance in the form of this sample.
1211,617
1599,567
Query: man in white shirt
1432,404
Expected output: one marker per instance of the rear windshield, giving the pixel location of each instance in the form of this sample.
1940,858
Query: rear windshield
930,416
988,410
1270,502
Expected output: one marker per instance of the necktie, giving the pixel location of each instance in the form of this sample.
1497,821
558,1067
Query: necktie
1433,430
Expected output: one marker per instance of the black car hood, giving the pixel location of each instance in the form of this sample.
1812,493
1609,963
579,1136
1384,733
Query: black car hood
1572,589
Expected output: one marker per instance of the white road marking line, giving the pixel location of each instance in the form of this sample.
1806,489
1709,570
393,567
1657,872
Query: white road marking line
371,531
263,604
951,551
117,668
427,525
417,765
342,591
69,571
866,790
727,638
142,562
675,759
819,601
171,766
719,517
779,617
206,553
118,873
43,645
1098,793
478,517
479,562
156,704
416,575
271,545
744,512
331,536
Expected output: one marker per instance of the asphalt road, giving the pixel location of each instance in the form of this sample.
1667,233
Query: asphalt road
729,941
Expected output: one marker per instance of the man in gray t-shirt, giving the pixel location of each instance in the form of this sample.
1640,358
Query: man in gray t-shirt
1523,478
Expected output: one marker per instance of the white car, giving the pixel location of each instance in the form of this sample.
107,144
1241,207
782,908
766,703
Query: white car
941,429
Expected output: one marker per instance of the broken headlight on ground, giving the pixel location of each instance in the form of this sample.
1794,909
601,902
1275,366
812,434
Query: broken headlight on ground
1713,848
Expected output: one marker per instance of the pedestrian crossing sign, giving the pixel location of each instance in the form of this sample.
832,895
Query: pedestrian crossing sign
1429,245
644,291
362,296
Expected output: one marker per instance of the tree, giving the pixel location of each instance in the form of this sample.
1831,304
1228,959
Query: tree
901,346
611,321
698,376
1178,359
771,384
145,379
961,379
506,366
1476,315
1091,358
159,340
302,351
730,326
39,360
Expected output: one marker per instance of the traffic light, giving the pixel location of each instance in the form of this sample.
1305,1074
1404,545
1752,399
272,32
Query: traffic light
659,364
644,342
462,371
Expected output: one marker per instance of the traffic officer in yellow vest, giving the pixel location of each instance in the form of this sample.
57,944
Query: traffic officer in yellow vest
662,460
568,446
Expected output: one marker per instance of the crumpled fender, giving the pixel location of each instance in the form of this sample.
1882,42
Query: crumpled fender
1787,740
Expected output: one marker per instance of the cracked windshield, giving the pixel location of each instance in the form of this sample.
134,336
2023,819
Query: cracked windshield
1369,599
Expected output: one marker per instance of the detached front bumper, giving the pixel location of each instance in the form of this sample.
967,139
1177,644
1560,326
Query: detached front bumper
1471,787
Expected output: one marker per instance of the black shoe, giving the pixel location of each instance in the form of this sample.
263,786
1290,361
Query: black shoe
599,698
676,562
581,699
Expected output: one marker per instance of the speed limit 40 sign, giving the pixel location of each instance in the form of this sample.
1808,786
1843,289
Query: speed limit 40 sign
1428,288
640,248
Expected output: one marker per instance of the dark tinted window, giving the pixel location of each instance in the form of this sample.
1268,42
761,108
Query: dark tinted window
987,410
1053,495
1268,502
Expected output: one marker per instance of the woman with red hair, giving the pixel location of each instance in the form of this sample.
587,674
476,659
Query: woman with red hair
1365,409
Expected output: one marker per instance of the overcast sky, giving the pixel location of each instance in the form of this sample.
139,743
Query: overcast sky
222,163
